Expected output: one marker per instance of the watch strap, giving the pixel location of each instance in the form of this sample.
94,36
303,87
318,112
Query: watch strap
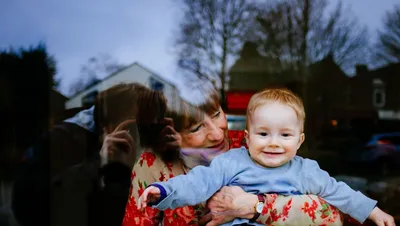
261,199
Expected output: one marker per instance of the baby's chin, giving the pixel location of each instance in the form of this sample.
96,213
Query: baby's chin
272,164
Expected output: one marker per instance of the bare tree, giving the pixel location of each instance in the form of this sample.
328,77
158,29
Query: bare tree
81,84
388,46
342,36
294,34
95,69
211,33
297,33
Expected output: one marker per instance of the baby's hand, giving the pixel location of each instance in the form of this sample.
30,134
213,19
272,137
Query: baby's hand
381,218
150,194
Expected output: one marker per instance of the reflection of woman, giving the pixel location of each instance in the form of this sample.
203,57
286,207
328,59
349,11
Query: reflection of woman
62,182
203,137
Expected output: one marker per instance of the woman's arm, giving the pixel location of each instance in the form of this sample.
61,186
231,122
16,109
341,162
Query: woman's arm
233,202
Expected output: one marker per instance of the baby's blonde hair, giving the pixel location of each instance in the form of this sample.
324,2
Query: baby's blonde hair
280,95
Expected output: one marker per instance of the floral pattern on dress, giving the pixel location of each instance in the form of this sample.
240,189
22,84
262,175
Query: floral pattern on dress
312,209
148,157
278,210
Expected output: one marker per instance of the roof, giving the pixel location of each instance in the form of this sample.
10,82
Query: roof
118,71
386,70
58,94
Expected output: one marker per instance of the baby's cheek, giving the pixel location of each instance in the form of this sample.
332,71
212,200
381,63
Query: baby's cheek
292,149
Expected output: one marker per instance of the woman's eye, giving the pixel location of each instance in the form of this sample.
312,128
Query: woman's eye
263,134
218,113
195,129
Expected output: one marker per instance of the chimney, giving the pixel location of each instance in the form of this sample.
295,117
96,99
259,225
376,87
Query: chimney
249,50
361,69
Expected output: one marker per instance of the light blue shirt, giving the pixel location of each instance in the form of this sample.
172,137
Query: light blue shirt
236,168
84,119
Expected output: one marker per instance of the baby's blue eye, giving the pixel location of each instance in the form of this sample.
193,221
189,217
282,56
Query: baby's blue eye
263,134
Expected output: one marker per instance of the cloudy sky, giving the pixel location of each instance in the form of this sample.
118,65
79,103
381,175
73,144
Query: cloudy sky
128,30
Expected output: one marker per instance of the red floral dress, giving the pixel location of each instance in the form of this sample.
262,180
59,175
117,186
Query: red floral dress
279,209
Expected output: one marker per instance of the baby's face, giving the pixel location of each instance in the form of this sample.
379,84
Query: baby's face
274,134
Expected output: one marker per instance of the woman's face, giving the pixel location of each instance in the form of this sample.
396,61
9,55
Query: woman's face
210,133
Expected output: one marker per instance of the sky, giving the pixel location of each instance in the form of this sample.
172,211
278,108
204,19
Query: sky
128,30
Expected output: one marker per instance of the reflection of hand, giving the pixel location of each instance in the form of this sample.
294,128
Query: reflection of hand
170,139
150,194
119,146
229,203
381,218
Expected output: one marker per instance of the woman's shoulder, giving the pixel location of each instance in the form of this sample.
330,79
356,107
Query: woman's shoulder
236,139
150,162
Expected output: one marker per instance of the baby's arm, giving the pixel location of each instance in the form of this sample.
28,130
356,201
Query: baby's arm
195,187
318,182
381,218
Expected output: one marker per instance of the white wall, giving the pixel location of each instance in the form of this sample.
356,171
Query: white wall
134,73
171,93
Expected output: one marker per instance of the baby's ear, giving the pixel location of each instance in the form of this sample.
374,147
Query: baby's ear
301,140
246,136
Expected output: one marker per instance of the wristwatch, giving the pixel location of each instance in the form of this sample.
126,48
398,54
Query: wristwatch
258,207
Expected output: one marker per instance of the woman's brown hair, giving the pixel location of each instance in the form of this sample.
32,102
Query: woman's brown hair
127,101
188,114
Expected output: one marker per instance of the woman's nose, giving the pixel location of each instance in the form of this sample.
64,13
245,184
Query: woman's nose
215,133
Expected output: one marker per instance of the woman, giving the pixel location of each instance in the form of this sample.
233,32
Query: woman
203,137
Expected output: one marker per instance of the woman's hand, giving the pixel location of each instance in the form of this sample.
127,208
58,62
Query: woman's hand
171,140
229,203
119,146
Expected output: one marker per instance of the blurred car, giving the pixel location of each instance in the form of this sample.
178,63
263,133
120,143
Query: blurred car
236,122
386,138
380,155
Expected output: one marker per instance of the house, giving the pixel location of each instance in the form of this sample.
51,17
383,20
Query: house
132,73
57,107
248,75
329,104
378,90
252,73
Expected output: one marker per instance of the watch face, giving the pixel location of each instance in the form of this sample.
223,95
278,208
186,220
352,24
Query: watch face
259,207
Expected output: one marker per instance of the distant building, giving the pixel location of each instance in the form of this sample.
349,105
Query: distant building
57,107
378,89
132,73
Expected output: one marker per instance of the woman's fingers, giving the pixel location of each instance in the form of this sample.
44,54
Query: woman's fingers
206,218
169,122
124,124
171,140
169,133
122,135
116,143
